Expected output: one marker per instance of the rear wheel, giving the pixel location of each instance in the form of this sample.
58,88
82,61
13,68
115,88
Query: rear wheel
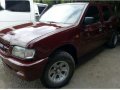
59,70
113,41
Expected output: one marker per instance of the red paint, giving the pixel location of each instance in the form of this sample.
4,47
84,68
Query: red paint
42,24
4,31
23,25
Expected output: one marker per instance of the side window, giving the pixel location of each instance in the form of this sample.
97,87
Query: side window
106,13
18,6
41,8
1,8
92,15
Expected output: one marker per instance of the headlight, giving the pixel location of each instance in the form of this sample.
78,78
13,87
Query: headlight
23,52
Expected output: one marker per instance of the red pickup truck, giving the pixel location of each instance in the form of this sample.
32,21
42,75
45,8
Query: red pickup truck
50,49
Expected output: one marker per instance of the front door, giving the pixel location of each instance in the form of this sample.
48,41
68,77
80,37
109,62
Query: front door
91,30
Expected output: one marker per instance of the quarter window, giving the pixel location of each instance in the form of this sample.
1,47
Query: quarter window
106,13
18,6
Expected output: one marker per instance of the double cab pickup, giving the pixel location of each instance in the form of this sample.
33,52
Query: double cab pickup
50,49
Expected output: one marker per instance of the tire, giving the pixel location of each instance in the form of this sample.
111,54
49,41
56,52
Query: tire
118,36
59,70
113,41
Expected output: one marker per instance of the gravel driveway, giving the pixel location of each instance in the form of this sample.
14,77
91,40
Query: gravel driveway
100,71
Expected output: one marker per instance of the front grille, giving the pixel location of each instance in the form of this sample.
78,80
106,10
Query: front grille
4,45
3,48
4,42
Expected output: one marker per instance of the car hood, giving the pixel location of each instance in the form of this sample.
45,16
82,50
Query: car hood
23,36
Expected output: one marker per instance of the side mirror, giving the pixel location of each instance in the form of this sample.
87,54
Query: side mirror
37,16
88,20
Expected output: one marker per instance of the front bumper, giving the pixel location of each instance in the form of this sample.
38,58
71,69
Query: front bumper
27,71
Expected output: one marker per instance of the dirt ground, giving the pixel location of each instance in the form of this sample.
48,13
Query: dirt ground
102,70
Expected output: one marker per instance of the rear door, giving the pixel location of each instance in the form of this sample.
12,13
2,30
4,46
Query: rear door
16,12
107,21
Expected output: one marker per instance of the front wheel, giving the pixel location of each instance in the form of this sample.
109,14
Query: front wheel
59,70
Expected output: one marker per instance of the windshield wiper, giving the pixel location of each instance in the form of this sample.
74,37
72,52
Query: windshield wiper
51,22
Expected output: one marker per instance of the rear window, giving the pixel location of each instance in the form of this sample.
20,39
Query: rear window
106,13
18,6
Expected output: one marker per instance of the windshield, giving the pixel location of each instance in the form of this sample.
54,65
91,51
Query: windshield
68,13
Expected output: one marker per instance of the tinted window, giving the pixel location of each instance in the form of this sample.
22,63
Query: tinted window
106,13
18,6
41,9
1,8
93,12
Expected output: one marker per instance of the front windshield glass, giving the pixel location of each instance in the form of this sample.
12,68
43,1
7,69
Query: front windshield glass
67,14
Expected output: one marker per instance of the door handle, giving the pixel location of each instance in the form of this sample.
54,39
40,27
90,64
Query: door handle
100,29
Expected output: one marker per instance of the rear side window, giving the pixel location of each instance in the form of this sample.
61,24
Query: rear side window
18,6
93,12
106,13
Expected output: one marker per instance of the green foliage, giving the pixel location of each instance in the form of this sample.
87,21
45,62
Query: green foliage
48,1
